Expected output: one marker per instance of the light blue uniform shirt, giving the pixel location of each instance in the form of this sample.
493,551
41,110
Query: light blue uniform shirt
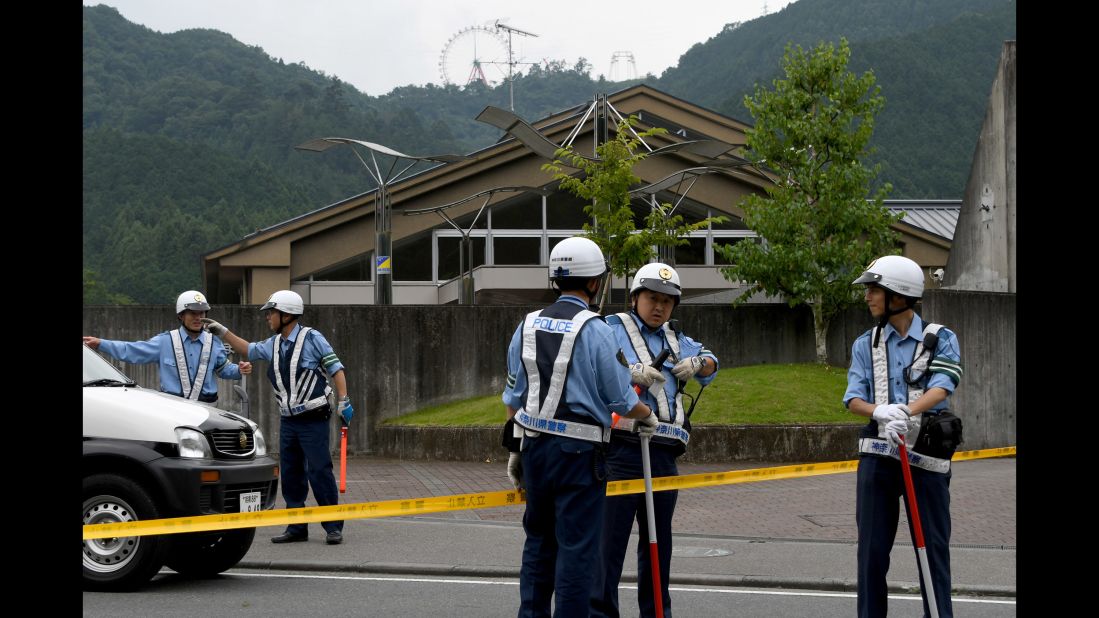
316,351
159,350
655,340
597,384
860,377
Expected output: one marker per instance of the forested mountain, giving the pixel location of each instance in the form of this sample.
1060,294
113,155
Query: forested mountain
188,137
934,60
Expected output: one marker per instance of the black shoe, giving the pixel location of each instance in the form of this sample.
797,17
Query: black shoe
334,538
290,537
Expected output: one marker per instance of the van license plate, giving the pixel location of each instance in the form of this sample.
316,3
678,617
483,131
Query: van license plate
251,501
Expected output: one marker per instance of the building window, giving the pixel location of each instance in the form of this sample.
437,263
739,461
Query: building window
358,268
719,260
449,260
412,258
694,252
516,251
520,213
565,212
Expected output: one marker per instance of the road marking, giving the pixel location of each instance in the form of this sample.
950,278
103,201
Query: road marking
493,582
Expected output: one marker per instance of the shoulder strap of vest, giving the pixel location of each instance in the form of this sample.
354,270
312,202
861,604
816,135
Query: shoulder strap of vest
187,389
641,349
879,366
181,364
289,393
560,364
672,338
203,363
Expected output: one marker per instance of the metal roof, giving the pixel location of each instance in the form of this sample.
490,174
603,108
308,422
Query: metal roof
938,217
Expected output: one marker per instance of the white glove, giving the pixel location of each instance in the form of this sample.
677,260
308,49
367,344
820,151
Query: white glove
515,470
890,412
646,426
645,375
687,367
345,409
894,430
214,327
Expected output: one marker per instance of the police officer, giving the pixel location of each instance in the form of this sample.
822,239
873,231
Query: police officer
563,384
188,358
644,333
303,369
902,373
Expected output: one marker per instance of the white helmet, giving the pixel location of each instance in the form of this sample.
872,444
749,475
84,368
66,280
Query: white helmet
657,277
576,257
285,301
193,300
895,273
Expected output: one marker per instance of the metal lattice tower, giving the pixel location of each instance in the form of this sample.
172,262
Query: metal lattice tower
630,69
511,57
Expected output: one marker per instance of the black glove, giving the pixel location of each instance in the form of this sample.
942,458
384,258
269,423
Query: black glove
508,439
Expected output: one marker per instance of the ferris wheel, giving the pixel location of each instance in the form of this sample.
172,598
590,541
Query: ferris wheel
474,53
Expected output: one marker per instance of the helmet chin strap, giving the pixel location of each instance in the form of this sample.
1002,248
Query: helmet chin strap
884,319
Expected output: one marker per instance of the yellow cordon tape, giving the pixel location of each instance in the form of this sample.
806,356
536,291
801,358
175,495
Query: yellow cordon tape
486,500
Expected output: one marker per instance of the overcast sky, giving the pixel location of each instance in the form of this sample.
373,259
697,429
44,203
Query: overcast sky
377,45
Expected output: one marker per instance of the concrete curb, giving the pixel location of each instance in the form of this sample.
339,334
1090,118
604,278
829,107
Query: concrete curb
709,443
742,581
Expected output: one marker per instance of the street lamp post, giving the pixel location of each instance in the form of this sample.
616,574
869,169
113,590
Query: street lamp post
666,253
539,144
383,205
467,295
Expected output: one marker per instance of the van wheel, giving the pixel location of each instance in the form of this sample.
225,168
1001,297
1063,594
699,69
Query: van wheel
204,554
119,563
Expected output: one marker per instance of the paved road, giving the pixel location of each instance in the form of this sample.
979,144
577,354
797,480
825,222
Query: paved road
797,532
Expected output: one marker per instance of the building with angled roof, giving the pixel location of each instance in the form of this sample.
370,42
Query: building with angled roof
327,255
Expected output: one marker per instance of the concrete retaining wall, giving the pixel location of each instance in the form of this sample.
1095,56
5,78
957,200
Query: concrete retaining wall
709,444
403,358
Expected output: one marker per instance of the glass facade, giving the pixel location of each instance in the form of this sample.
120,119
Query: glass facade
358,268
522,231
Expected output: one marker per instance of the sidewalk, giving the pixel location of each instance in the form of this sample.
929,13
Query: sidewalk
797,533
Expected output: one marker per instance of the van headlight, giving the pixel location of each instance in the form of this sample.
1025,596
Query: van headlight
193,444
261,443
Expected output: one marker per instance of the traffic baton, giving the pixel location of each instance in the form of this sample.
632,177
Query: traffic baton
917,531
343,459
654,553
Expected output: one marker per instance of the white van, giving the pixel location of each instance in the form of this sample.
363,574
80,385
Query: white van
149,455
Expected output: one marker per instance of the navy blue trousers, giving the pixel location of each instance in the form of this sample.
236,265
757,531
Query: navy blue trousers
306,460
624,462
563,521
880,483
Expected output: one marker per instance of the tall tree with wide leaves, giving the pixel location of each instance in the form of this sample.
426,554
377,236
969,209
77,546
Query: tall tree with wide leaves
606,182
817,226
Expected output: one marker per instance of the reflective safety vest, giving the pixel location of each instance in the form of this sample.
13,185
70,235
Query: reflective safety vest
549,337
879,362
668,428
297,389
191,391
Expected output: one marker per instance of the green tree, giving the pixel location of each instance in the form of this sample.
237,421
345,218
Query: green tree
96,293
606,182
818,228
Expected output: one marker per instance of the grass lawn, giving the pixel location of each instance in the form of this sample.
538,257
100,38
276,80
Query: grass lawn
793,394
